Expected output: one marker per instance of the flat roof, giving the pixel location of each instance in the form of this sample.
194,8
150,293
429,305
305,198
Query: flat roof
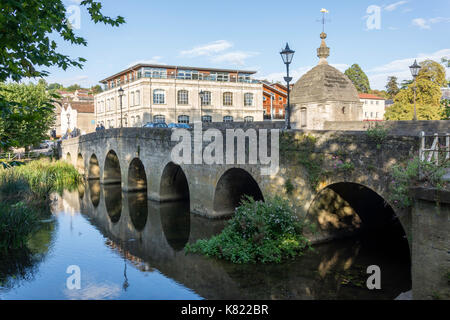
165,66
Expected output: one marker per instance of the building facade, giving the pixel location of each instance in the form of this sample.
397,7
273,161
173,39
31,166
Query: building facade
373,107
174,94
274,100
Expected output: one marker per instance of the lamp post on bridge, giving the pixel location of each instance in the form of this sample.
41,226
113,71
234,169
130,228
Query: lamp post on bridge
287,54
120,97
415,68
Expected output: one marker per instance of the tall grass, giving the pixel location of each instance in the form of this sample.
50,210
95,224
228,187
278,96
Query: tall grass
25,197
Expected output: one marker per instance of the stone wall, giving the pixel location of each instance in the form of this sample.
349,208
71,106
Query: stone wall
431,244
395,127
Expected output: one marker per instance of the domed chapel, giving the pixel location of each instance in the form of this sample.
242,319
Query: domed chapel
324,94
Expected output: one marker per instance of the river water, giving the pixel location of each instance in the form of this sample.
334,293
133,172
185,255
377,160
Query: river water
127,247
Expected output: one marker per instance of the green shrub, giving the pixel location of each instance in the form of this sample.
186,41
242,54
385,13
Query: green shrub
377,134
259,232
415,172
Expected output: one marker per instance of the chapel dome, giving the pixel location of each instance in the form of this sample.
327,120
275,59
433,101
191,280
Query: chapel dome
324,82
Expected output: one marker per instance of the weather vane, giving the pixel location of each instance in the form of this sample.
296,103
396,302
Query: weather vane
323,20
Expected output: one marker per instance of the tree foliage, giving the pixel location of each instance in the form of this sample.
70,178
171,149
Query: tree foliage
433,71
359,78
428,97
445,109
392,87
25,37
29,117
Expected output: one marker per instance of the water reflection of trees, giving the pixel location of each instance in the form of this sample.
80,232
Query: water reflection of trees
138,209
22,265
94,191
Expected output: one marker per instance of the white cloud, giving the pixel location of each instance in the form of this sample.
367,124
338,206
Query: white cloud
400,68
393,6
421,23
153,60
426,23
207,49
235,57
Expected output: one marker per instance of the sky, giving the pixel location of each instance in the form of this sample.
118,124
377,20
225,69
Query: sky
383,37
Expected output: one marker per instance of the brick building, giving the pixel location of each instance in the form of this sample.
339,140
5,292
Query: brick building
274,100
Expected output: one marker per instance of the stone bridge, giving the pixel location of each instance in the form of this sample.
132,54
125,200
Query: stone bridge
338,179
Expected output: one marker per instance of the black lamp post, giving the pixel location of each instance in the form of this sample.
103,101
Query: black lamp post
202,97
415,68
287,54
120,96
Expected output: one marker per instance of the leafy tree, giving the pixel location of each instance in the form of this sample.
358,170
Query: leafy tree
29,117
427,102
392,87
446,62
432,71
26,27
380,93
359,78
405,84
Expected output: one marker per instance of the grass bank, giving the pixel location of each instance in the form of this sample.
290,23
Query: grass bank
25,197
265,232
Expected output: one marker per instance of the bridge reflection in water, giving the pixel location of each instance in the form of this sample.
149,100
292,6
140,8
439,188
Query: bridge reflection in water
152,236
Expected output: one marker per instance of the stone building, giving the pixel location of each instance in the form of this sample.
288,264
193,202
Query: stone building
324,94
162,93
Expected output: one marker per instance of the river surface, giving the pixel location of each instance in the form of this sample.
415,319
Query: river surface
127,247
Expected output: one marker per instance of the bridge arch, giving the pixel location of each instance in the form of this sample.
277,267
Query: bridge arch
137,178
80,164
113,201
94,168
174,185
232,186
111,172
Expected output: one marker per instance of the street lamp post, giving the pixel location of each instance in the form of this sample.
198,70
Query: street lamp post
202,97
415,68
287,54
120,97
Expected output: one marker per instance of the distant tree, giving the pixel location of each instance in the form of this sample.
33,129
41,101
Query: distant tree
446,62
392,87
433,71
29,117
405,84
73,87
55,86
359,78
96,89
380,93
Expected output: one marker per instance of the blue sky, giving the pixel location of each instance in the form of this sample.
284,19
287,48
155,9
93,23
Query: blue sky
248,34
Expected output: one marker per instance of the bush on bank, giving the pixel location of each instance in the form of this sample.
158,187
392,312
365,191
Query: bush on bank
25,197
258,232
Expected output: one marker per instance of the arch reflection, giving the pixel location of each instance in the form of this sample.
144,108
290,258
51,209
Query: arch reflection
94,191
175,221
113,201
138,209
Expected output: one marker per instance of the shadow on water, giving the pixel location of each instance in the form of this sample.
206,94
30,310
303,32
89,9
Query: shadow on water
175,222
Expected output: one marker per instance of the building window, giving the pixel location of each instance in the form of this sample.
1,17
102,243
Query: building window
206,98
206,119
264,98
377,102
138,121
183,97
132,99
137,97
113,105
228,119
132,121
248,119
183,119
228,99
248,99
159,96
159,119
303,119
280,99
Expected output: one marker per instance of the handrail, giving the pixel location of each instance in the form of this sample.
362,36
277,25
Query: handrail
436,147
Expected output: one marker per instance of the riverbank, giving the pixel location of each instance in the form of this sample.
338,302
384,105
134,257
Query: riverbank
25,198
